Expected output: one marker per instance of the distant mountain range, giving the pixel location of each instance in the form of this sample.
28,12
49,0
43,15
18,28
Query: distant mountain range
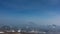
31,26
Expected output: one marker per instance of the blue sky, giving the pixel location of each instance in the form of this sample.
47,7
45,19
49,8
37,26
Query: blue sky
39,11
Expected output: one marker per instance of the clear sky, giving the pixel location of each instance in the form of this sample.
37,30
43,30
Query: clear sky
37,11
